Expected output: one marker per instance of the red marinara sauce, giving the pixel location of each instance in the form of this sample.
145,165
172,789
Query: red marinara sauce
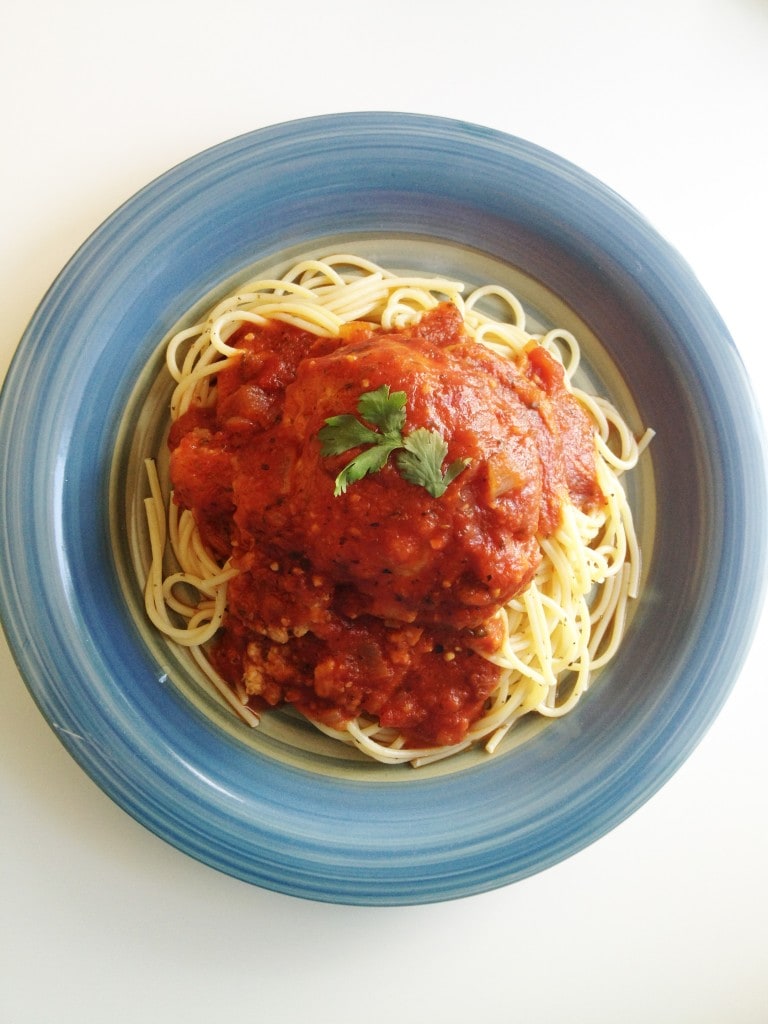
381,600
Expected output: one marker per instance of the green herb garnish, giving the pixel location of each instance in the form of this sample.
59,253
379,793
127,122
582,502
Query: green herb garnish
420,454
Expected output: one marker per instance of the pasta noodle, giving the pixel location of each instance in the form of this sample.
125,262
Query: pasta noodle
566,624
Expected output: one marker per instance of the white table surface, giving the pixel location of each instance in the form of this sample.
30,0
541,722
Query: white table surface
663,920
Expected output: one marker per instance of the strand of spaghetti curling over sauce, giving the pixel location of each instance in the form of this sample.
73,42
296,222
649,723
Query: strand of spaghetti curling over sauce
389,510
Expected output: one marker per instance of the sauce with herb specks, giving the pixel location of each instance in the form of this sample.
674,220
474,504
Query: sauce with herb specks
378,601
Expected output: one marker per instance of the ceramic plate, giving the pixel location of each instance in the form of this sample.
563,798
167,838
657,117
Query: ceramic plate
282,807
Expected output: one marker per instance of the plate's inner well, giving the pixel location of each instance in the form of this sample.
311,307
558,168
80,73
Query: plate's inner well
285,735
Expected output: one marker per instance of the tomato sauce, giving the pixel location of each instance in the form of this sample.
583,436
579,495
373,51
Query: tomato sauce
378,601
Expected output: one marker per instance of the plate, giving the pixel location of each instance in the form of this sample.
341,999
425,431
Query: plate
279,807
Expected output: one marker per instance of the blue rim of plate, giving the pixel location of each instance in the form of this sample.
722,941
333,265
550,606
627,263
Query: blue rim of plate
382,839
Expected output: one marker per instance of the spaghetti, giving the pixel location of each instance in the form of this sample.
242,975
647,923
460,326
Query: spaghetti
528,642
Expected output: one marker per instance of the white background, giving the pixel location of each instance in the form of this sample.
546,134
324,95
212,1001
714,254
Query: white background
664,920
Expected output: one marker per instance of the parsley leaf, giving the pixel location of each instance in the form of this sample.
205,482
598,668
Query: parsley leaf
341,433
423,451
386,410
422,460
369,461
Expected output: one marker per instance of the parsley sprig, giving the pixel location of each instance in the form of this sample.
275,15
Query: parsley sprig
420,454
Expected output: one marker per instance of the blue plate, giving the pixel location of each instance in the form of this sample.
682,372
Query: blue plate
278,806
